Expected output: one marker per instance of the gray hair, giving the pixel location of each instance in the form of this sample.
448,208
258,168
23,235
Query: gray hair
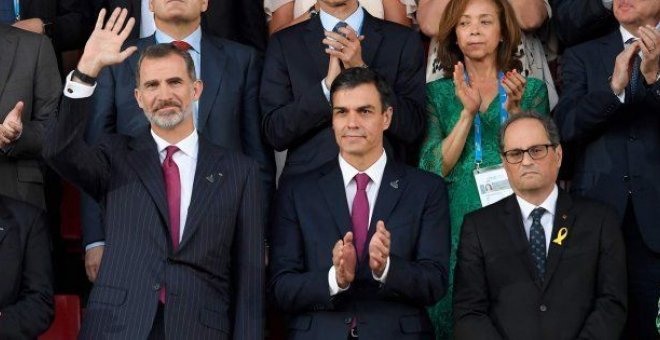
548,124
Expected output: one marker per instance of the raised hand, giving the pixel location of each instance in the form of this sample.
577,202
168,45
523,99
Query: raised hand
346,46
379,249
514,85
103,48
623,68
344,260
650,45
12,126
469,96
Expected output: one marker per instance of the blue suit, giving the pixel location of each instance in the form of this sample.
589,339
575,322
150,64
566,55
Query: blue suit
228,116
215,277
312,215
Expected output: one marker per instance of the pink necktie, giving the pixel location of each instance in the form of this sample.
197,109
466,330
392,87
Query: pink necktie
182,45
173,192
360,213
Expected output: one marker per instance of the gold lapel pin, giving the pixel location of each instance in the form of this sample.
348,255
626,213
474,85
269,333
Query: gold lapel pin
561,235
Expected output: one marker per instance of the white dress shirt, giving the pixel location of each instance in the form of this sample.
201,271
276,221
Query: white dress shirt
375,173
186,161
547,220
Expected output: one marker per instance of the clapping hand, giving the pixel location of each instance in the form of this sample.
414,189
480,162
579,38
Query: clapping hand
514,85
379,249
469,96
344,260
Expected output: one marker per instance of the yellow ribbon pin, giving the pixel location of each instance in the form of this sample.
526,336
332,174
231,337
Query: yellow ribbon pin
561,235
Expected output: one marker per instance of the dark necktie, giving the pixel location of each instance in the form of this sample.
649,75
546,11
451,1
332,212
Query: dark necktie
173,193
634,87
7,15
360,213
182,45
537,241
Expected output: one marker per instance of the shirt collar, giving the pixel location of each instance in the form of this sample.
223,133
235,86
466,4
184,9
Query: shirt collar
194,39
375,171
549,204
354,20
625,35
188,145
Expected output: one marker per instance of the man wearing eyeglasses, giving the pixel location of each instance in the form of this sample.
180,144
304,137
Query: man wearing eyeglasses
539,264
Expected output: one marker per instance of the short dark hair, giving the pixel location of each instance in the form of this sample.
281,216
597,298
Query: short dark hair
548,124
356,76
161,51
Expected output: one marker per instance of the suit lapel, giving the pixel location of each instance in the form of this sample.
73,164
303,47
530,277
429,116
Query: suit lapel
213,61
391,187
8,42
313,38
334,193
564,218
511,217
372,38
208,176
143,157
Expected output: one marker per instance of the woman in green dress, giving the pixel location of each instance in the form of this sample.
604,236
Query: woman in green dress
478,40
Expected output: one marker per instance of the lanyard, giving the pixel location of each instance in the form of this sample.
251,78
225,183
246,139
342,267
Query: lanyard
17,10
478,149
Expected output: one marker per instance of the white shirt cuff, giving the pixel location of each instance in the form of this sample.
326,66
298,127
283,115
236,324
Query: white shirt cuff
77,90
332,282
94,245
326,90
383,278
622,96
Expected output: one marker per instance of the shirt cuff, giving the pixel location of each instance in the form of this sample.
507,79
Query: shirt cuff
622,96
332,282
608,4
326,91
94,245
383,277
77,90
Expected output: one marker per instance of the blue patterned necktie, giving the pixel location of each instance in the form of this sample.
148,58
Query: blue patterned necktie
537,241
634,85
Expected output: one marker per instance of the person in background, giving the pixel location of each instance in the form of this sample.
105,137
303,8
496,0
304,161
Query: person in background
481,88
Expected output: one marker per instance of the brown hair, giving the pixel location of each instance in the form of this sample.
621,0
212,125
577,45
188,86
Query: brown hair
448,51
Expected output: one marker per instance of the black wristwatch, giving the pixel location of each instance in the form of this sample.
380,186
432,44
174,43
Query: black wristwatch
89,80
49,29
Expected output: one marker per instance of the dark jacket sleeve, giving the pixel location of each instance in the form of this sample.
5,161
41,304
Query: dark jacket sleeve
471,300
33,311
580,21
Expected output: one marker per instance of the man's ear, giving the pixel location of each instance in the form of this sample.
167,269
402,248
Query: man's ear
388,117
560,154
198,87
138,97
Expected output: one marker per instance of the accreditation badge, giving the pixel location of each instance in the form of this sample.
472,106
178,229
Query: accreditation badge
492,184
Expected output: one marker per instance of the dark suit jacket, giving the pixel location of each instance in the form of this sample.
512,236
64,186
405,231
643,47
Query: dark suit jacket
214,279
583,294
229,113
575,22
28,72
243,21
72,20
312,214
616,145
26,283
296,114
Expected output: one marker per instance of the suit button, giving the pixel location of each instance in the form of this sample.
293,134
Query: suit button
543,308
348,320
157,286
626,178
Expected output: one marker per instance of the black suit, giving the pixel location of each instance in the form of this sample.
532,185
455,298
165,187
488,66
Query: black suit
214,279
577,21
243,21
26,283
582,296
296,113
616,147
71,20
28,72
312,214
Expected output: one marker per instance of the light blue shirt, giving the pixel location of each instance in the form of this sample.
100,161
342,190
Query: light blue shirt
195,40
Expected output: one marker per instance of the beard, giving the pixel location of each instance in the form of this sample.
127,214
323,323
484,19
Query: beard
168,119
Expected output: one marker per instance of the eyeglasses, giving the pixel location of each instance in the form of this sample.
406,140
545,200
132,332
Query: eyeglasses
537,152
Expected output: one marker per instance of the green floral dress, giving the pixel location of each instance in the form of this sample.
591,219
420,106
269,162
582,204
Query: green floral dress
444,110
